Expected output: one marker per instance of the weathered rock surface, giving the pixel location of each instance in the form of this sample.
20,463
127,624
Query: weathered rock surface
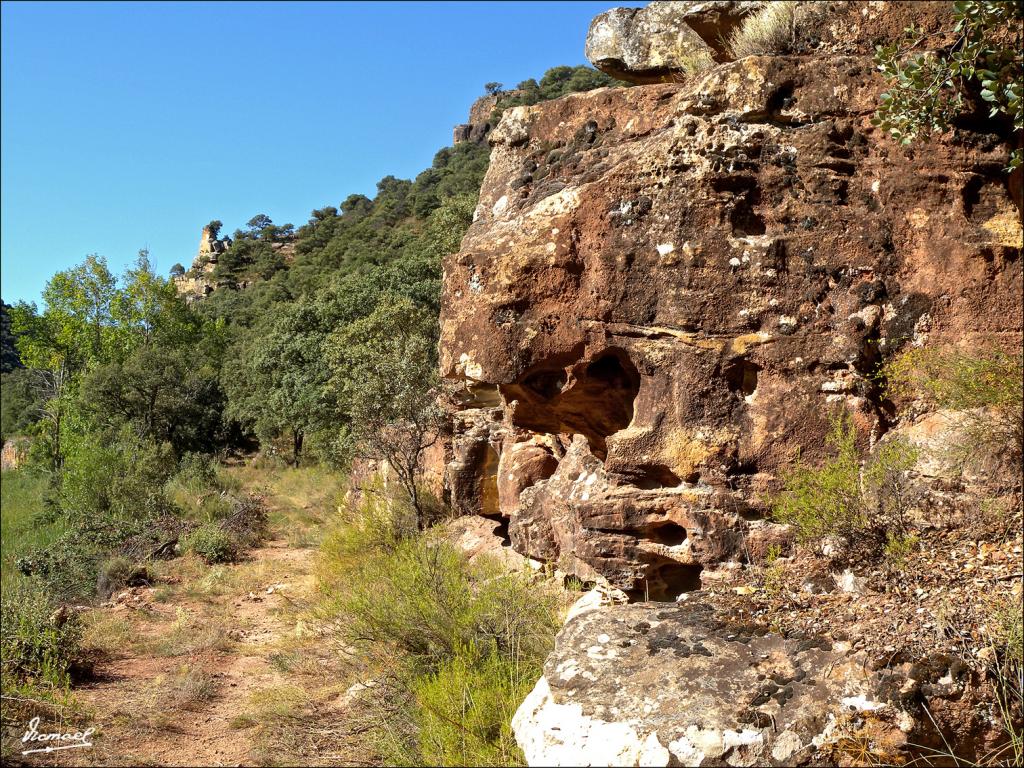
480,121
684,685
15,451
672,287
669,41
651,44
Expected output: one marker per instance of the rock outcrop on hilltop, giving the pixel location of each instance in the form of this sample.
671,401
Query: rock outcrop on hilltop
480,120
198,282
656,43
666,294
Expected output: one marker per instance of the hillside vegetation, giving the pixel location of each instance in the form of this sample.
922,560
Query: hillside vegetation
133,399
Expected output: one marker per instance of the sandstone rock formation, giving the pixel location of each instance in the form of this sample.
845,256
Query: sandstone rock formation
480,121
198,282
655,43
14,452
667,291
666,295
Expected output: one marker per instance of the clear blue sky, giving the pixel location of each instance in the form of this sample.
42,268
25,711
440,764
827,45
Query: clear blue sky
126,126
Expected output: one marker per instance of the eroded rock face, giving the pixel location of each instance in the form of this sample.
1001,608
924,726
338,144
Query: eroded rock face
671,288
649,45
684,685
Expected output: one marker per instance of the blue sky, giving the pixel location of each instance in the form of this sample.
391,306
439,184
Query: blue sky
128,126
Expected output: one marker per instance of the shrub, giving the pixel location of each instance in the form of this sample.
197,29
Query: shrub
845,500
897,549
247,521
773,30
456,645
119,572
40,641
464,711
984,386
211,543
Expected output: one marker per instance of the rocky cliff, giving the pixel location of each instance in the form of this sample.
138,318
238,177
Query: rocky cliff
198,281
665,295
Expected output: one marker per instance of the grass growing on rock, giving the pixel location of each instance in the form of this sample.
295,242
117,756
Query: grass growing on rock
849,498
774,29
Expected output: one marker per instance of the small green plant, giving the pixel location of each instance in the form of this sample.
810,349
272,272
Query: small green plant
39,640
773,580
931,88
211,543
848,499
774,29
897,549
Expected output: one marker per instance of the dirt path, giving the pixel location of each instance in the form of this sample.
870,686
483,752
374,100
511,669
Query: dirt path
219,664
191,677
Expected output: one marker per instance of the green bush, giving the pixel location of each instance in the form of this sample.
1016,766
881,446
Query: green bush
459,643
984,386
931,88
211,543
40,642
464,710
848,499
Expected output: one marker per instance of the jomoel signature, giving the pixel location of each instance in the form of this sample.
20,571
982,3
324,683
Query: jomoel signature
73,740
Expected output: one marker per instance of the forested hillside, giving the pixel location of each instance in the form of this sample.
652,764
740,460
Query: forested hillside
130,396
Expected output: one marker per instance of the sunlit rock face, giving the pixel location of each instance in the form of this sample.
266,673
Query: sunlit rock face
683,685
668,290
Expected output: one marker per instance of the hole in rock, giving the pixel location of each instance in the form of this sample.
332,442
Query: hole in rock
981,199
597,403
546,384
781,98
667,581
501,529
741,376
652,476
670,534
745,221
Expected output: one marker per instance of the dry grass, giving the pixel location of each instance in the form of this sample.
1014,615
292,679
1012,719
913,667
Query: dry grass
190,634
188,688
774,29
110,634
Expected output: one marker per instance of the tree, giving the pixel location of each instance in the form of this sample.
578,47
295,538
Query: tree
385,373
164,394
177,270
257,224
931,89
21,405
276,378
91,322
9,359
214,228
492,88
